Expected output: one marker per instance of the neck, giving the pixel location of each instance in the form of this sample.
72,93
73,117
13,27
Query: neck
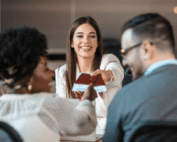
85,64
166,56
159,58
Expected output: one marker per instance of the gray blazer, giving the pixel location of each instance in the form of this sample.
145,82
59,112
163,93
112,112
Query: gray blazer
150,100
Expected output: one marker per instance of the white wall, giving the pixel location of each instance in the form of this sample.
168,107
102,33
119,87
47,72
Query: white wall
54,18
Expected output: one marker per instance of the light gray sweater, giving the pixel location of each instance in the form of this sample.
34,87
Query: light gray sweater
45,116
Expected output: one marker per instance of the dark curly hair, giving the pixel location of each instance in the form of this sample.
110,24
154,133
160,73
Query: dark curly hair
20,49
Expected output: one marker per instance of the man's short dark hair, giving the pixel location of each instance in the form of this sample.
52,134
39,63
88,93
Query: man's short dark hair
151,26
20,49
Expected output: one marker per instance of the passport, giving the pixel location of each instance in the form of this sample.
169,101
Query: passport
84,79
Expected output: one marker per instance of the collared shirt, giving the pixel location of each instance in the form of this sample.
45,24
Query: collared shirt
160,64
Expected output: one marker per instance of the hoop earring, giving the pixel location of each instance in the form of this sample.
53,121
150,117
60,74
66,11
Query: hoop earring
30,87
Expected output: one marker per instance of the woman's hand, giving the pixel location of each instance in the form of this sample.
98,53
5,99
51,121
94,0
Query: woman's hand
89,94
106,75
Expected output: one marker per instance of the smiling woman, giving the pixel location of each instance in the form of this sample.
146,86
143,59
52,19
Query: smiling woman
85,42
85,54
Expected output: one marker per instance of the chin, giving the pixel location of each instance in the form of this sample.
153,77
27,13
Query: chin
87,56
135,76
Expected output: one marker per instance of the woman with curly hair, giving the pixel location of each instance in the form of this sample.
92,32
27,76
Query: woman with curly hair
36,114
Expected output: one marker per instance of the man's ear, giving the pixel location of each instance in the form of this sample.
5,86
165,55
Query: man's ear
146,50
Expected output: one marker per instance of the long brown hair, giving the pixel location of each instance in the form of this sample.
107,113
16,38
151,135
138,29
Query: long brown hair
71,56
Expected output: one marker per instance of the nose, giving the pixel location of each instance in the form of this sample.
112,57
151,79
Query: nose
85,39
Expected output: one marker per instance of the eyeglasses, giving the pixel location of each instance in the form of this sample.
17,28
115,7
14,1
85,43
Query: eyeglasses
125,51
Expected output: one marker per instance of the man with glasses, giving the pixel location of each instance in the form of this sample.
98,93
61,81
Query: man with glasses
146,109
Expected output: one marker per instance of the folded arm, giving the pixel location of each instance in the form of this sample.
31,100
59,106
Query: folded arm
72,116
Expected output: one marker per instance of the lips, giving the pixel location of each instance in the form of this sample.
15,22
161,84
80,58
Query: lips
87,48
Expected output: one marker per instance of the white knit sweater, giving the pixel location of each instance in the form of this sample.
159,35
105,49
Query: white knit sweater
44,117
109,62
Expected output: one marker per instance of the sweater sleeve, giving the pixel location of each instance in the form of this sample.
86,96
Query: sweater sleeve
111,62
71,116
114,65
61,89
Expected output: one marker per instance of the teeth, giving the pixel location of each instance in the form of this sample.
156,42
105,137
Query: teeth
85,47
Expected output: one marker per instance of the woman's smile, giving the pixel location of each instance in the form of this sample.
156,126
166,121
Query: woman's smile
86,48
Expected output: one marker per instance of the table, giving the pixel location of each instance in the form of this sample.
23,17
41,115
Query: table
99,133
100,140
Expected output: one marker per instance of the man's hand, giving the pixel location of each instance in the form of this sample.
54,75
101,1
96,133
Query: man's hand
89,94
106,75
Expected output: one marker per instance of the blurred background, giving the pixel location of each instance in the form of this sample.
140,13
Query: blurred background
54,18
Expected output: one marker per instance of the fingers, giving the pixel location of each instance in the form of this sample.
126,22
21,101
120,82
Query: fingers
93,94
101,95
78,94
90,93
90,85
96,72
90,88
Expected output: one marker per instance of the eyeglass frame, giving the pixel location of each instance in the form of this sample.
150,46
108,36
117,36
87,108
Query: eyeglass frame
123,52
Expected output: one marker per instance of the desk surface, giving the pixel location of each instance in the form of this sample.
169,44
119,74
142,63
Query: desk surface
99,133
100,140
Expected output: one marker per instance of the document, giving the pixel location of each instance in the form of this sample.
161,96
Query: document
84,79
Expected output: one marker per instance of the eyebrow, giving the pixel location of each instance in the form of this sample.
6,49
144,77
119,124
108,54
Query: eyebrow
83,33
92,33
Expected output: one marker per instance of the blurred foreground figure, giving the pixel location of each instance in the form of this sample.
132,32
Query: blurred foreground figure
36,116
145,110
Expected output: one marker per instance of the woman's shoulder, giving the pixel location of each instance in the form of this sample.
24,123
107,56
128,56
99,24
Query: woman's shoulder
61,70
110,57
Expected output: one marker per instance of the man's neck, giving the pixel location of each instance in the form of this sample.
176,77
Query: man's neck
158,63
162,57
158,58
